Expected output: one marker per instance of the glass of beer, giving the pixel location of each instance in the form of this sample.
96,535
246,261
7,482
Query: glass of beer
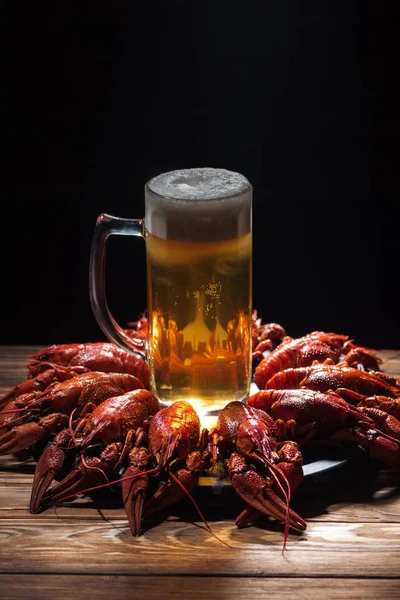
198,234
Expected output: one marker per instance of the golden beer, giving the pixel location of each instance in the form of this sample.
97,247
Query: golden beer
200,320
197,229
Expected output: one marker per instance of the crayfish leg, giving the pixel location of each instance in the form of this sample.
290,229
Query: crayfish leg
171,492
291,465
24,436
352,397
386,450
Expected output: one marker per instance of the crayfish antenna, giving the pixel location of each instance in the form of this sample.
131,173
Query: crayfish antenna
193,501
104,485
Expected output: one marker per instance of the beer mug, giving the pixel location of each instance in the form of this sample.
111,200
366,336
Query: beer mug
198,233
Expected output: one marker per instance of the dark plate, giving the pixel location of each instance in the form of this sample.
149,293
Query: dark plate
319,463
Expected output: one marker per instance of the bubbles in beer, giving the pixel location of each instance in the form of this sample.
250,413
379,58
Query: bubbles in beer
201,323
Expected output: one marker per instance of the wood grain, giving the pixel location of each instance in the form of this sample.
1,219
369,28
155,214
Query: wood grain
351,547
194,588
48,587
180,548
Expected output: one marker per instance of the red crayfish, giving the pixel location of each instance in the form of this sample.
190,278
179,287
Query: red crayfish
107,434
317,346
103,427
63,378
304,414
263,475
100,356
299,352
31,418
265,336
129,429
352,384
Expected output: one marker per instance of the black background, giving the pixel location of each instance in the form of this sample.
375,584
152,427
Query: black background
298,96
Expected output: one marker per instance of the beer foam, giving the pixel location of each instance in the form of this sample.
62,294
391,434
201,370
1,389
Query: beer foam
199,184
199,204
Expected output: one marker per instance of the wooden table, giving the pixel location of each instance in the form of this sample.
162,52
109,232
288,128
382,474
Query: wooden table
350,549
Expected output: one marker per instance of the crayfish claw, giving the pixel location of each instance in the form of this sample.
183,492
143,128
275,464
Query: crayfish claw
247,517
90,473
134,487
257,492
47,468
70,486
24,436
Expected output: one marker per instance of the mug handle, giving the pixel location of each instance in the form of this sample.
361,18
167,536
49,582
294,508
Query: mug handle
107,225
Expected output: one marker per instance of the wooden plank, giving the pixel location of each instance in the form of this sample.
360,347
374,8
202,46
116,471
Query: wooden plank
13,361
179,548
391,361
48,587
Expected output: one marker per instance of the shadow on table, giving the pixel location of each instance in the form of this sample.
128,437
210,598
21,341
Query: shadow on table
16,464
356,481
361,480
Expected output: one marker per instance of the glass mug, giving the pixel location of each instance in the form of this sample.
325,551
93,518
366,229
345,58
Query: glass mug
198,233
